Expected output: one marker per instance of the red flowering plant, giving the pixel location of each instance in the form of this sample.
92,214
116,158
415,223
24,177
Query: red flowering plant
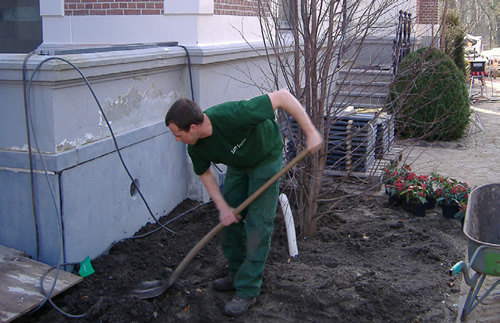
462,206
450,191
394,178
433,183
415,191
396,187
405,184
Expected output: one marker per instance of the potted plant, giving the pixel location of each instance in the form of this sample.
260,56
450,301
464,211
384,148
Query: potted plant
419,192
394,179
428,183
414,196
453,196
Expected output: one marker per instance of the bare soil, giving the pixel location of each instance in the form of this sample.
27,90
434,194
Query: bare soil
368,263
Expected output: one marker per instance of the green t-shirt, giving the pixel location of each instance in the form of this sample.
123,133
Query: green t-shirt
244,135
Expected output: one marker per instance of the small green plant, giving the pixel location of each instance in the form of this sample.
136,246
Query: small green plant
429,97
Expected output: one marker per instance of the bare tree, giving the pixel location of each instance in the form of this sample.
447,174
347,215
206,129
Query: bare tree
307,43
480,19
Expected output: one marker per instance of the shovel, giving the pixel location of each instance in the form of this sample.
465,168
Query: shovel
155,288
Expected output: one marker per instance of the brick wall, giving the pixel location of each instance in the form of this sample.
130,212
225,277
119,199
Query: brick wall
113,7
240,7
427,12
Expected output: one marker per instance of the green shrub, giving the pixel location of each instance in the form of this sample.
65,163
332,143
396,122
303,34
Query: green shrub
429,97
455,44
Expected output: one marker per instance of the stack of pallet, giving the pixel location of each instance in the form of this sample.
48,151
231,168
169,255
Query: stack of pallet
355,140
385,135
351,143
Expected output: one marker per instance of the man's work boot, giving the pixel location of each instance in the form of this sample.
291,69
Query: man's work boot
238,306
223,284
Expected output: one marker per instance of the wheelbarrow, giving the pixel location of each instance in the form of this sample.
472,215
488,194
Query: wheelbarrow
482,228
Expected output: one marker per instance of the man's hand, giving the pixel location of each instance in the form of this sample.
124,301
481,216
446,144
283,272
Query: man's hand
286,101
227,217
314,141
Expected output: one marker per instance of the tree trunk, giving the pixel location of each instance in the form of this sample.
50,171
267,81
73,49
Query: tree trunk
442,43
311,218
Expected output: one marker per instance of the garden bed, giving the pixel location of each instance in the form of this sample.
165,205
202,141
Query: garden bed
367,263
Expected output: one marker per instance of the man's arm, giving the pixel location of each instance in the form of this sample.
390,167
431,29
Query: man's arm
226,216
285,100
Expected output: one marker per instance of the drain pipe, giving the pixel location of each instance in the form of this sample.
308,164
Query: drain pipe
290,227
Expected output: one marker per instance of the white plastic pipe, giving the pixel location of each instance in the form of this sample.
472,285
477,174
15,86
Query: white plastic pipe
290,227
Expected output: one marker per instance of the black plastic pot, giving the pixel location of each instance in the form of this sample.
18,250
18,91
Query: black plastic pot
415,207
449,209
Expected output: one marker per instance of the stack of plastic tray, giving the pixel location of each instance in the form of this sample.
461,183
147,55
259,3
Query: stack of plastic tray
385,135
351,142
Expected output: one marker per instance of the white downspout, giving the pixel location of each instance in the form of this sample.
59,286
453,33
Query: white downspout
290,227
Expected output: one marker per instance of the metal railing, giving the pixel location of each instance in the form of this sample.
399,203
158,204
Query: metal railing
402,43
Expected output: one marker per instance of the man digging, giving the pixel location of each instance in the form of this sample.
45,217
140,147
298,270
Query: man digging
244,136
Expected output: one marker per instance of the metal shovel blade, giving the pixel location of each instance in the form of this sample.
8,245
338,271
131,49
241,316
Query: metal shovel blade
149,289
154,288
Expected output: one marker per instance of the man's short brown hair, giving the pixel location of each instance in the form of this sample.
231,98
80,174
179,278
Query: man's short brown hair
183,113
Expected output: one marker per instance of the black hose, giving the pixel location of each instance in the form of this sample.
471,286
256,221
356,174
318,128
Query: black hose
30,154
107,123
189,68
29,125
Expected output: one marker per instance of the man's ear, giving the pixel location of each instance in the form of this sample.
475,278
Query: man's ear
193,127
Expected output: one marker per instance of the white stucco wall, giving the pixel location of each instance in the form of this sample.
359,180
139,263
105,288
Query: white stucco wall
82,182
187,22
91,188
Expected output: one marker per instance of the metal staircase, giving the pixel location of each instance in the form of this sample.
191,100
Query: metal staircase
361,139
364,80
363,87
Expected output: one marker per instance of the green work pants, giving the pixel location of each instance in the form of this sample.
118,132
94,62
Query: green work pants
246,244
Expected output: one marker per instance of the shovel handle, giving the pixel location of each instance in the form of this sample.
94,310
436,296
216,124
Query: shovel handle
173,277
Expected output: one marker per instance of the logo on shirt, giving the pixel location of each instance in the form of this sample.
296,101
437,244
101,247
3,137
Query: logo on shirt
238,146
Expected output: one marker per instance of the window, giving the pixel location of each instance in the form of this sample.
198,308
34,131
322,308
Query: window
20,26
285,14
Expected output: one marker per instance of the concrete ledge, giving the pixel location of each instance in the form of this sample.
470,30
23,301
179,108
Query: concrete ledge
82,154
